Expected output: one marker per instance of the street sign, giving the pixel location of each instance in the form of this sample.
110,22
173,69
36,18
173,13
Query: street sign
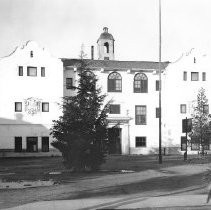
183,143
186,125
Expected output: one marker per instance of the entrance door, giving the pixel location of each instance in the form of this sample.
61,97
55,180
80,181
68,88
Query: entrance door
32,144
114,140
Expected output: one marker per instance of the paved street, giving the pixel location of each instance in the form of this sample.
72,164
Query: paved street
177,186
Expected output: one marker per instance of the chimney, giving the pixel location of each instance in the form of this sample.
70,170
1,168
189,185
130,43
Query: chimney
92,52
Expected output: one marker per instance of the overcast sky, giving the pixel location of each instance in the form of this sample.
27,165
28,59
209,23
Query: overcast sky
63,25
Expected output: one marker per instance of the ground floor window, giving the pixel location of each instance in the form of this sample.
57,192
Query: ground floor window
45,144
18,144
32,144
141,141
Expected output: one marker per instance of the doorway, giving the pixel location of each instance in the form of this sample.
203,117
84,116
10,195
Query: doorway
114,141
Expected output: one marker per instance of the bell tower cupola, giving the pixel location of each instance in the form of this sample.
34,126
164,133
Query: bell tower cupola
105,45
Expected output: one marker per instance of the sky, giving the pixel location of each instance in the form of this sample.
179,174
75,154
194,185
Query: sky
62,26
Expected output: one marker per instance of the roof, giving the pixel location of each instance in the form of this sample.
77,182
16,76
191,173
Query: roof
114,64
106,35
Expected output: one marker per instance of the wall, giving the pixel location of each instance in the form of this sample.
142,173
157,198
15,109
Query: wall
15,88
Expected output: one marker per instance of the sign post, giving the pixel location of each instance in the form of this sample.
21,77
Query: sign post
186,127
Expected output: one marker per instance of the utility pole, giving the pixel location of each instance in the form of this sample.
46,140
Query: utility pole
160,111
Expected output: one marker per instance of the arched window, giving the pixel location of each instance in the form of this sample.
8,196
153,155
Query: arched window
114,82
140,83
106,47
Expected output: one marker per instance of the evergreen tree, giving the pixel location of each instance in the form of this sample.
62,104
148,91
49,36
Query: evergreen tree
200,122
81,132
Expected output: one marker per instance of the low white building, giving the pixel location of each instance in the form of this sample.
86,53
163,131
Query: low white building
31,86
182,81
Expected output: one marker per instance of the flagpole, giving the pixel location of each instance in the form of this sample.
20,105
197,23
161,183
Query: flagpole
160,111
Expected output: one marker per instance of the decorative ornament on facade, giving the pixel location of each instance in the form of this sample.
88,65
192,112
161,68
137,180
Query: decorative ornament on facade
32,105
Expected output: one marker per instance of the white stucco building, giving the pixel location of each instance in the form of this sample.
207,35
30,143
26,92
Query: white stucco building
182,81
133,88
31,86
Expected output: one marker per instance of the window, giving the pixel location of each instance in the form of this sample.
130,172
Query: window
45,144
20,70
157,82
45,107
18,144
185,75
32,144
141,142
106,47
140,83
194,76
183,108
18,106
203,76
106,58
31,54
114,82
32,71
69,83
42,71
140,112
114,109
206,109
157,112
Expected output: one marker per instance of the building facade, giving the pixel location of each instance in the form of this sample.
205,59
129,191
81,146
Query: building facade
183,79
31,86
133,88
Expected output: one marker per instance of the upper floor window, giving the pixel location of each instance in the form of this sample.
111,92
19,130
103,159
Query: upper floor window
114,82
45,107
31,54
185,75
42,71
114,109
194,76
31,71
18,106
203,76
183,108
141,115
140,83
157,84
69,83
20,70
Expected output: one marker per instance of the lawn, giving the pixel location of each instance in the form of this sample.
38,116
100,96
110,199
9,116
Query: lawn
17,169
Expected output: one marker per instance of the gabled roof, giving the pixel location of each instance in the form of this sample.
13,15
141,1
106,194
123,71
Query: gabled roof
113,64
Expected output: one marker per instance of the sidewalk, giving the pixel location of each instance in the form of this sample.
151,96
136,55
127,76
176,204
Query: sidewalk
168,202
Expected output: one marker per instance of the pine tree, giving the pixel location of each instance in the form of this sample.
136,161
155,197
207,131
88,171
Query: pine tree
200,122
81,132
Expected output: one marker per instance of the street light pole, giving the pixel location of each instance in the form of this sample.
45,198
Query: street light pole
160,122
